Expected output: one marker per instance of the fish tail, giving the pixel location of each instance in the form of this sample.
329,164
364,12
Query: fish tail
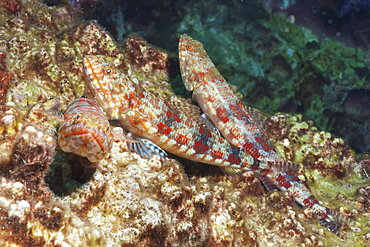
283,176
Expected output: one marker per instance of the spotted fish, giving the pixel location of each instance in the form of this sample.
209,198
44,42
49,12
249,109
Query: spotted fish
85,130
243,126
164,123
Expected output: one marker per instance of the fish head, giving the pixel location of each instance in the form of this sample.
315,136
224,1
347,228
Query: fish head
85,130
96,70
110,87
192,57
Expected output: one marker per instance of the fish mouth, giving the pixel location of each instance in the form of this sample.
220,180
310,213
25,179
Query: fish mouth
96,136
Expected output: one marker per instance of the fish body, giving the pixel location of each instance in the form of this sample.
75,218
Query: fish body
164,123
85,130
243,126
219,103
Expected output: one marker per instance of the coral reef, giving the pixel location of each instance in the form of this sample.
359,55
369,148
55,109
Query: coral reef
50,198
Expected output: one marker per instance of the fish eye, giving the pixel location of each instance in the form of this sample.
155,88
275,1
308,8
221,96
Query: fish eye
107,128
108,71
190,47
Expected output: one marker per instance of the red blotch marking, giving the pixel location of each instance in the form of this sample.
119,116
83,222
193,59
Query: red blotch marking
199,147
265,145
233,159
182,139
217,154
322,215
211,98
249,148
264,172
139,94
134,102
259,140
282,180
200,77
206,132
310,201
295,179
164,129
220,111
255,167
292,175
239,111
240,115
129,96
236,107
136,121
173,115
201,74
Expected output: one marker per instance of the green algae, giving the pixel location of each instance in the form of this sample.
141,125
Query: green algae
273,62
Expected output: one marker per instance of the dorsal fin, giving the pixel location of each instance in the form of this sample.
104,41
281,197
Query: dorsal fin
193,112
257,117
186,108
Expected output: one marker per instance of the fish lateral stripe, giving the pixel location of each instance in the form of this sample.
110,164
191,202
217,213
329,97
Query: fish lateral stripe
200,147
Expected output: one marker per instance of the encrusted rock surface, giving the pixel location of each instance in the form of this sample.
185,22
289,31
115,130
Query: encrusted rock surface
49,198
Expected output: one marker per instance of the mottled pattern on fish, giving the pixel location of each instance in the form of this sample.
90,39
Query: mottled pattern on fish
162,122
85,130
242,125
235,120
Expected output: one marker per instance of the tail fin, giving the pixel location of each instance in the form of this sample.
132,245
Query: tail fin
283,175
